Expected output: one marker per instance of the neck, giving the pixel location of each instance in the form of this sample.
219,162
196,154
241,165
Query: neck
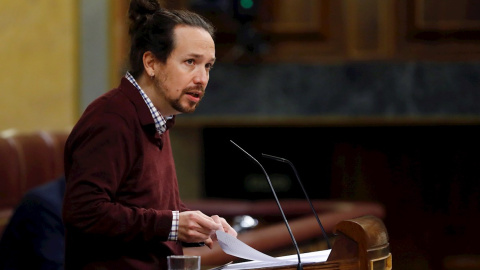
148,86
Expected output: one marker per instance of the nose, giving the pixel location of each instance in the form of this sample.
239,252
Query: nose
201,77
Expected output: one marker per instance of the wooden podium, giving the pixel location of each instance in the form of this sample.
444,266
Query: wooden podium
360,244
361,241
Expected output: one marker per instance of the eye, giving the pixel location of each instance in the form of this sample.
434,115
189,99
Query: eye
190,61
209,66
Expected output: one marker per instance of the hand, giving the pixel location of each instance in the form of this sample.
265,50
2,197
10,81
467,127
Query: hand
195,226
225,226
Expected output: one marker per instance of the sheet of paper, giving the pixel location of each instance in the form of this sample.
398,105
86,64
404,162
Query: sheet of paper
231,245
237,248
306,258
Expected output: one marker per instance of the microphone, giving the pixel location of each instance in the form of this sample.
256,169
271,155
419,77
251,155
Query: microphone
304,192
300,265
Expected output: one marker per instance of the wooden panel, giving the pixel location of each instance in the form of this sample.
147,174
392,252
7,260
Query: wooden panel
438,30
443,19
369,26
273,31
447,15
308,18
319,31
362,26
305,31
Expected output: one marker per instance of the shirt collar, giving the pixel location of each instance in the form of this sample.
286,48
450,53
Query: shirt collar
160,121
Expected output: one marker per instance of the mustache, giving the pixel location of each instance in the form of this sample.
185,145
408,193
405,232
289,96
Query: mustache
194,88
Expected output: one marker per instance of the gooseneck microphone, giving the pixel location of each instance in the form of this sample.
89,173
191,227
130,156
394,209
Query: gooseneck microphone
299,266
304,192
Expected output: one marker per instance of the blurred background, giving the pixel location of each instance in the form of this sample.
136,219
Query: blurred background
372,100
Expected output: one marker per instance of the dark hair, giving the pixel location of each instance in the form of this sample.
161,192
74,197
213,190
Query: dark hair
151,29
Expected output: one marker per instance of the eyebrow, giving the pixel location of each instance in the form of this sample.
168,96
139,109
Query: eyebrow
194,55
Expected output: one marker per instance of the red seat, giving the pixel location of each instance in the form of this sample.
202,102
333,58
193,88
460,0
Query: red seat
56,140
36,152
28,160
10,171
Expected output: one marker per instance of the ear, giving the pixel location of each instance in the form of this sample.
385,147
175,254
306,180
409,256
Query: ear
149,63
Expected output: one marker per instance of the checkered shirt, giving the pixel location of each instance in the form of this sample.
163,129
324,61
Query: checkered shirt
160,121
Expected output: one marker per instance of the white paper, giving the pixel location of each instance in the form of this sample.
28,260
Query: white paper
237,248
306,258
231,245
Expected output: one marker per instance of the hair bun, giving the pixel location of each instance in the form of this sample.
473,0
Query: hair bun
140,9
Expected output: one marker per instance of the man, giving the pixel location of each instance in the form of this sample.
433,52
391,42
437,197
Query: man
34,236
122,208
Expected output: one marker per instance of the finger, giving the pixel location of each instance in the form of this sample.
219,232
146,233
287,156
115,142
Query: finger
232,232
208,222
200,213
209,243
213,236
221,221
201,222
225,226
217,219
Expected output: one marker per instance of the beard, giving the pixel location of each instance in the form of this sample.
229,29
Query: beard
176,103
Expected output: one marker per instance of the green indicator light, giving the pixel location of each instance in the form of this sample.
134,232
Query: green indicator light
246,4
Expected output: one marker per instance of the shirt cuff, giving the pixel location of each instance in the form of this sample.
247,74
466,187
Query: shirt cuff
173,236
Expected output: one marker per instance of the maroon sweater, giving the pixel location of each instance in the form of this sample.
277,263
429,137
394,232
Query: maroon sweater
121,186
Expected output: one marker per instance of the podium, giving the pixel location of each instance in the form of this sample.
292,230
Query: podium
353,221
360,244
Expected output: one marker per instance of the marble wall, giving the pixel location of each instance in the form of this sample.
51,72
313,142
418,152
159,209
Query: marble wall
346,89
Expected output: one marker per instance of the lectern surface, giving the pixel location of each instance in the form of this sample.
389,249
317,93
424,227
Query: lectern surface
284,261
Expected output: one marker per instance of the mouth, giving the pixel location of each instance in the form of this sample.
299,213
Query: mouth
194,95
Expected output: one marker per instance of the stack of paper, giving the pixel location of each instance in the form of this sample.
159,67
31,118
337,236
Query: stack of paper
237,248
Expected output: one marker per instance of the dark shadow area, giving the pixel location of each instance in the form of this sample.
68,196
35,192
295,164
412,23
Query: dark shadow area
426,176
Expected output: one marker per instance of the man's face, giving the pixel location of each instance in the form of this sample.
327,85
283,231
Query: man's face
180,83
